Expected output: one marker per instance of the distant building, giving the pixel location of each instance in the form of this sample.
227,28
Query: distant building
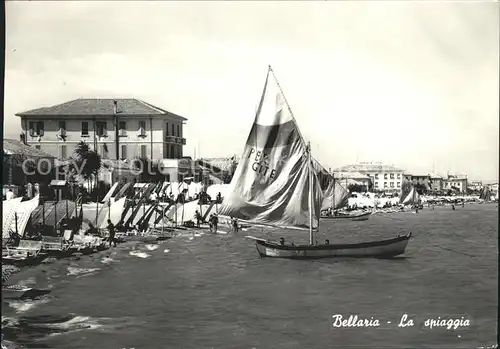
457,183
14,154
437,182
353,178
475,185
137,128
384,177
422,180
493,187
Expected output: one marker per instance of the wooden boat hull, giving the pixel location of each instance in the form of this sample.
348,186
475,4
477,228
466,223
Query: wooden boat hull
359,217
24,261
22,292
374,249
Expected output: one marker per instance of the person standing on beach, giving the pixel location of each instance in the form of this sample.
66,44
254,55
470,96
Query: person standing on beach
111,229
215,222
211,222
235,224
198,218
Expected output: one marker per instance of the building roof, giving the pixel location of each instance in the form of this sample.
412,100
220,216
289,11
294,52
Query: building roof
435,176
100,106
350,175
13,147
368,167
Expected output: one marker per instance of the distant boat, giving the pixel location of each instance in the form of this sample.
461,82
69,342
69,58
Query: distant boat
276,184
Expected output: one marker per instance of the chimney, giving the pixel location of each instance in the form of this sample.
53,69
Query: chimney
115,107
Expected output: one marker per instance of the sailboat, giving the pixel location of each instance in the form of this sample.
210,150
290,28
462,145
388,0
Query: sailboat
335,198
409,195
275,184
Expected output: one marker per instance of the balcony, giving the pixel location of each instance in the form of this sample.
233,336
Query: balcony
170,139
141,132
61,134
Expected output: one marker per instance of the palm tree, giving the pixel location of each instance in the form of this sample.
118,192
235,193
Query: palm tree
87,161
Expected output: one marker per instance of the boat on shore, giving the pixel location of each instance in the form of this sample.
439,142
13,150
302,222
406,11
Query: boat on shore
278,183
364,216
20,292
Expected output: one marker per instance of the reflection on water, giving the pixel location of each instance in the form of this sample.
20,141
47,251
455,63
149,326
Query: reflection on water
215,291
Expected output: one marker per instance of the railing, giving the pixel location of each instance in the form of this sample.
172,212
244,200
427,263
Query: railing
122,133
141,132
170,139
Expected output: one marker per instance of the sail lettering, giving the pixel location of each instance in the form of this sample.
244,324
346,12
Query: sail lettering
261,163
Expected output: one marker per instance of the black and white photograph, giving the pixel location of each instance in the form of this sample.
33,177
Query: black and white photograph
250,174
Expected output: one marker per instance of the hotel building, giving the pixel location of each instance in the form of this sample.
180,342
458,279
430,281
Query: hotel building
115,128
385,178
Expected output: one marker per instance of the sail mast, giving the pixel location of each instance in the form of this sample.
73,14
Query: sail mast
311,234
333,201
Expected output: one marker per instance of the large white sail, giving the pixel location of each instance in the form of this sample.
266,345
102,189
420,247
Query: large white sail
9,209
271,182
412,198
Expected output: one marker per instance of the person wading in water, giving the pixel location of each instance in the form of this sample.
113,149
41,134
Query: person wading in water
111,229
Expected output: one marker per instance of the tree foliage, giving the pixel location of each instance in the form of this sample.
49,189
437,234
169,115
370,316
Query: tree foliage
358,188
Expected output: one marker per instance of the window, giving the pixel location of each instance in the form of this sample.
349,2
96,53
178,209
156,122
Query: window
392,184
376,175
36,128
399,175
172,155
38,147
142,129
167,128
124,151
392,175
385,175
62,125
376,184
143,151
62,152
178,131
385,184
173,131
398,184
122,127
85,129
101,128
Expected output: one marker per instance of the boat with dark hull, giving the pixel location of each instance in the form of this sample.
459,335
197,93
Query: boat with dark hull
27,253
378,249
22,292
349,217
278,183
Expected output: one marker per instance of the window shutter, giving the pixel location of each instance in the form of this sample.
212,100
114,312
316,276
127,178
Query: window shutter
32,129
41,130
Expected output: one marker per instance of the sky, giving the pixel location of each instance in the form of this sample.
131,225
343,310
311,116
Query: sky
410,84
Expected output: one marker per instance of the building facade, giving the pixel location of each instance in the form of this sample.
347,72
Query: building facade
437,182
116,128
457,183
385,178
475,186
347,178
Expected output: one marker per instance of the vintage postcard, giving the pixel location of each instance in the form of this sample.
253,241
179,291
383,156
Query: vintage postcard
253,174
